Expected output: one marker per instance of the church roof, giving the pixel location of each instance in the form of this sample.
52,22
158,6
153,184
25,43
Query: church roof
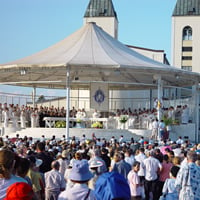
100,8
187,8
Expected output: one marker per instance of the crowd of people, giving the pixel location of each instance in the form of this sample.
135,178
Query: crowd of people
27,116
96,168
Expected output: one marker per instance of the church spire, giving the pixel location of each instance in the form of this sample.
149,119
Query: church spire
100,8
187,8
102,12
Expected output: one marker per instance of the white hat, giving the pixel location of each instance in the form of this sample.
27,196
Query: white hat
96,163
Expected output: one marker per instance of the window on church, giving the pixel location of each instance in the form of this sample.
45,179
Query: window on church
186,57
188,68
187,33
187,49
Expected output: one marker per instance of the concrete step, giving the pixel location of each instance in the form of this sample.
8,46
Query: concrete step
36,133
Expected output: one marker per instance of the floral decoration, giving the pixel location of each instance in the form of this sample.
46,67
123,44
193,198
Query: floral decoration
123,118
60,124
97,125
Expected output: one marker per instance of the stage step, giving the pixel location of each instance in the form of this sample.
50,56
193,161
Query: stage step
36,133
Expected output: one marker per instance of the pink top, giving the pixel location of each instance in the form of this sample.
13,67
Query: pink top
133,180
164,174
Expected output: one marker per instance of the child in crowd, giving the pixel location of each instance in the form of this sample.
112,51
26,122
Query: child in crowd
169,190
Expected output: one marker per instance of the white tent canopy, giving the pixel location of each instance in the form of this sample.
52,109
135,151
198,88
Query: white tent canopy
92,55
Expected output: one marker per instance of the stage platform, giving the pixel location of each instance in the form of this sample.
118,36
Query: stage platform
36,133
179,130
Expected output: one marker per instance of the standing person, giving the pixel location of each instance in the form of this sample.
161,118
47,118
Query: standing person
169,191
152,166
54,182
36,177
154,133
79,175
134,182
95,156
121,166
165,172
23,118
44,156
6,117
105,157
20,191
188,179
162,129
7,178
96,114
63,161
140,158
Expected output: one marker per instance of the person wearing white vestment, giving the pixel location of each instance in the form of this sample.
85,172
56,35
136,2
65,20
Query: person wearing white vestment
79,114
23,119
14,118
6,117
34,118
96,114
185,115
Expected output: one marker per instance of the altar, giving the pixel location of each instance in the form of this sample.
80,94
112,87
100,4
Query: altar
108,123
50,122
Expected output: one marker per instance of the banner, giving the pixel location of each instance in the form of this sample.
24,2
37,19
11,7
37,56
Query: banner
99,96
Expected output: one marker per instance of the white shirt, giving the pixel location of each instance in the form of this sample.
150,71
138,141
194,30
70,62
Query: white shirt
140,158
151,166
77,192
54,180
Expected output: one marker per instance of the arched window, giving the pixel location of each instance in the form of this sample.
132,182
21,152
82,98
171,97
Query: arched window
187,33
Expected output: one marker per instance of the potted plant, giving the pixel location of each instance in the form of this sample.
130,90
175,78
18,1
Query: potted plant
123,118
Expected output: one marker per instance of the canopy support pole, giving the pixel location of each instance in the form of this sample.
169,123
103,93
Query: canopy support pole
160,91
195,94
33,96
67,103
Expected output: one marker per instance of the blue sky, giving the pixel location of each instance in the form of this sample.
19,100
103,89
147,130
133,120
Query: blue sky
28,26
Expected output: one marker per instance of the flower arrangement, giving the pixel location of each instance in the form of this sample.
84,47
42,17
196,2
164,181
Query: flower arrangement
60,124
123,118
78,121
97,125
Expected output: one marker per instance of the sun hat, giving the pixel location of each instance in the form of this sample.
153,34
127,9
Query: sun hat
19,191
80,171
95,163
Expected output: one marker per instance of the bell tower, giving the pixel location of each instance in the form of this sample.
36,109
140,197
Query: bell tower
185,35
102,12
